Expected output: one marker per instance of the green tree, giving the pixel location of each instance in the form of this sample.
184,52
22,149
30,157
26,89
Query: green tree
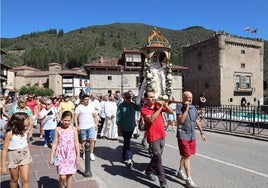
34,90
60,33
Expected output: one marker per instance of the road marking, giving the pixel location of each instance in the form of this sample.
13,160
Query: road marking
225,163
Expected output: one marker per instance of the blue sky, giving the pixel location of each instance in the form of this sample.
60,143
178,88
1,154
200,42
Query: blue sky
25,16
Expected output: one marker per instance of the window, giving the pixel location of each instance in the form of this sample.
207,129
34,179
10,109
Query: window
243,65
109,77
68,91
199,67
245,82
137,58
67,80
199,54
242,82
243,51
237,82
128,58
207,85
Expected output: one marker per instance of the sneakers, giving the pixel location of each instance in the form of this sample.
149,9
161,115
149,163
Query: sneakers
45,145
181,175
150,176
190,183
129,163
92,157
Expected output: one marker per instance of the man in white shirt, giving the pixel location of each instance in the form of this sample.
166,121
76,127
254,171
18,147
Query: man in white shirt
86,120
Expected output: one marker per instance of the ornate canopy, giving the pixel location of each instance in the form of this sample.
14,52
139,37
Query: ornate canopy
156,44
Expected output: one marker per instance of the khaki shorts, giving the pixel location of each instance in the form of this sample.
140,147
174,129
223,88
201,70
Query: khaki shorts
18,157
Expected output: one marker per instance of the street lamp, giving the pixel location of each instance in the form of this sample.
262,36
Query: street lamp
122,78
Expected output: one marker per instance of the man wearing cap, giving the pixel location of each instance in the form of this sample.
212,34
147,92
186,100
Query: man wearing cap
126,121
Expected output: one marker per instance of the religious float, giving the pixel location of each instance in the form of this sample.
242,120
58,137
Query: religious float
156,70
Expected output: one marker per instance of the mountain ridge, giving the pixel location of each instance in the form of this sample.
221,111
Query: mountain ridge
87,44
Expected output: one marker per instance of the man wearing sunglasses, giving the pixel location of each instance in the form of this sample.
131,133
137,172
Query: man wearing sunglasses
49,123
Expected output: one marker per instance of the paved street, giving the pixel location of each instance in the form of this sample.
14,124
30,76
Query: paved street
43,175
223,161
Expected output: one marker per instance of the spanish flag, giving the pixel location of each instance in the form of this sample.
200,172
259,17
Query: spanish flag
247,29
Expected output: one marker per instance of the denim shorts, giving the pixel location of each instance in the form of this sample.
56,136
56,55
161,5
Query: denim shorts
87,133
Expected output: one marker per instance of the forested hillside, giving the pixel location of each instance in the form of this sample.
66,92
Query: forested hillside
84,45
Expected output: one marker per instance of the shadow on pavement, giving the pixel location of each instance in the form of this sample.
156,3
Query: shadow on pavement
47,182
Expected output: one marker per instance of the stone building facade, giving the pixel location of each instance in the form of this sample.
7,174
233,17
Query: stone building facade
226,68
107,76
62,82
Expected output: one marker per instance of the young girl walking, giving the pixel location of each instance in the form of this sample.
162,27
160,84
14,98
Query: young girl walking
65,151
16,150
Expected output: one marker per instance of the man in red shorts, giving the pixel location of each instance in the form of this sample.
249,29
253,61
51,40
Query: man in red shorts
187,118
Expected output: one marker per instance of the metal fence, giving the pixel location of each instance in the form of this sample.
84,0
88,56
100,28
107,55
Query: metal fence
246,121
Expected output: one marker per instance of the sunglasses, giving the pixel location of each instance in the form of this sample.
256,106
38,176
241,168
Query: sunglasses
48,104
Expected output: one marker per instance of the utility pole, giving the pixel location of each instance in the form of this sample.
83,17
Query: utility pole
122,79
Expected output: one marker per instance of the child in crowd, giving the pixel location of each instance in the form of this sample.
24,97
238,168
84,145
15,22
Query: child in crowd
16,150
65,151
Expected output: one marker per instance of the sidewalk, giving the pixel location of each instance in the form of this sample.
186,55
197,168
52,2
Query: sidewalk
43,175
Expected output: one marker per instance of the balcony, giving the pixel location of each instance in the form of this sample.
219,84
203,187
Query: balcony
243,92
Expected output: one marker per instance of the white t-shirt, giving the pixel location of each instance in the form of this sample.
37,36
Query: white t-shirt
49,123
85,118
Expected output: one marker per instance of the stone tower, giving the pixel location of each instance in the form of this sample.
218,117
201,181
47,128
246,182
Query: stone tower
55,79
226,68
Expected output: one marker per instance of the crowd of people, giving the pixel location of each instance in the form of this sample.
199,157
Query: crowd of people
65,124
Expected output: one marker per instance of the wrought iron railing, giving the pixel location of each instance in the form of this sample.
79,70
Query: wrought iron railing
249,121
